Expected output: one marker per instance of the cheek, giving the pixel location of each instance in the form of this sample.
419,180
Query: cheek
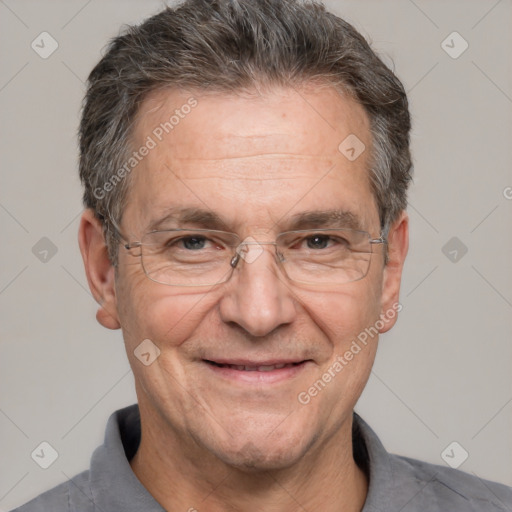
344,313
152,311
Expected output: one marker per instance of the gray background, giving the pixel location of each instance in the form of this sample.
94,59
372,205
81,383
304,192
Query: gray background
443,374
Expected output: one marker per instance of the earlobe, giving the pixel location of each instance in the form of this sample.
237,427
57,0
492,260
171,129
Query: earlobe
398,245
99,269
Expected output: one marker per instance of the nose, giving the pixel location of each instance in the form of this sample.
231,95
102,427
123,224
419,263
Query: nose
257,297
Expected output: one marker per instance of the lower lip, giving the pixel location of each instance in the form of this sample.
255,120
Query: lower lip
258,377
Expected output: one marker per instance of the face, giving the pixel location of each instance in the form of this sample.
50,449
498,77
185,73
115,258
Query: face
257,162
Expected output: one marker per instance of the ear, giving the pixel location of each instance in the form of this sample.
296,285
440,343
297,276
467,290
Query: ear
398,245
98,268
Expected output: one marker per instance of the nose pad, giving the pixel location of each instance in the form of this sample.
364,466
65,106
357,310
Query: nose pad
249,250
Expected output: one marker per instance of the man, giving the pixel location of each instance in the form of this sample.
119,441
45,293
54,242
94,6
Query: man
245,165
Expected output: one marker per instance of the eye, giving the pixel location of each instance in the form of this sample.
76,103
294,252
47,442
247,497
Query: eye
197,242
317,241
321,241
193,242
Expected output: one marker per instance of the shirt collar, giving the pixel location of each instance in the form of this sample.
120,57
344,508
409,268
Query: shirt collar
113,483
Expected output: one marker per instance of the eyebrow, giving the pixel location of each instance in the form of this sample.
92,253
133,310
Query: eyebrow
207,219
325,219
180,216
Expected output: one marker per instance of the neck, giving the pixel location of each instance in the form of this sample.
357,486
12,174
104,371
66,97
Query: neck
181,475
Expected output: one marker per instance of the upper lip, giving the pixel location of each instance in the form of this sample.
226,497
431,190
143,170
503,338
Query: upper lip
249,362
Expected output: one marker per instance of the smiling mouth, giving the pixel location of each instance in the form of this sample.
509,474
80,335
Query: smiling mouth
258,368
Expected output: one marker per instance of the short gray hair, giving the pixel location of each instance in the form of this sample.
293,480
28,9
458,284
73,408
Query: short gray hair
231,46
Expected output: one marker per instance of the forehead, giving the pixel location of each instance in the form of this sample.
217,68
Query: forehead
265,153
311,120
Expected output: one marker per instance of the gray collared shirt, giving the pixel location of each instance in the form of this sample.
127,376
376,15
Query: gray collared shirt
396,483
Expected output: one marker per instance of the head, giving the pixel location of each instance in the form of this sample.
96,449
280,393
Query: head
244,109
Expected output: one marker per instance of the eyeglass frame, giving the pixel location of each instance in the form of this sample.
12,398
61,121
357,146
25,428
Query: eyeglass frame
381,240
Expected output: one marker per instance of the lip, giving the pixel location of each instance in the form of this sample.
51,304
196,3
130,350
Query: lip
254,363
259,372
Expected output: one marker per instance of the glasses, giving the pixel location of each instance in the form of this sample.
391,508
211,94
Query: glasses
204,257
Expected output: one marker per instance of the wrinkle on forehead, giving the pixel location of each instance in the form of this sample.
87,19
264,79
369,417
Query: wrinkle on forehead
229,126
259,155
257,167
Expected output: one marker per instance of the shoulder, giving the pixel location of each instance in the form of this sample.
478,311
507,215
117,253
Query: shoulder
71,496
410,485
449,489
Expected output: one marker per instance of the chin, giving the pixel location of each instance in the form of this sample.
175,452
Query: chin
255,459
253,452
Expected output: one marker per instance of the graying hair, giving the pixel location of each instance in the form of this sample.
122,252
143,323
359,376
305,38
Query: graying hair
231,46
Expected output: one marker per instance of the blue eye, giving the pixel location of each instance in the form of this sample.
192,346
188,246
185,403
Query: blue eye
193,242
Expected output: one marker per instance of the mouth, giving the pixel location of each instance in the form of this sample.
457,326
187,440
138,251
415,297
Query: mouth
255,367
257,371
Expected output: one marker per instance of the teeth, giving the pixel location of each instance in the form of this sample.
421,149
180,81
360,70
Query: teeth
263,368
